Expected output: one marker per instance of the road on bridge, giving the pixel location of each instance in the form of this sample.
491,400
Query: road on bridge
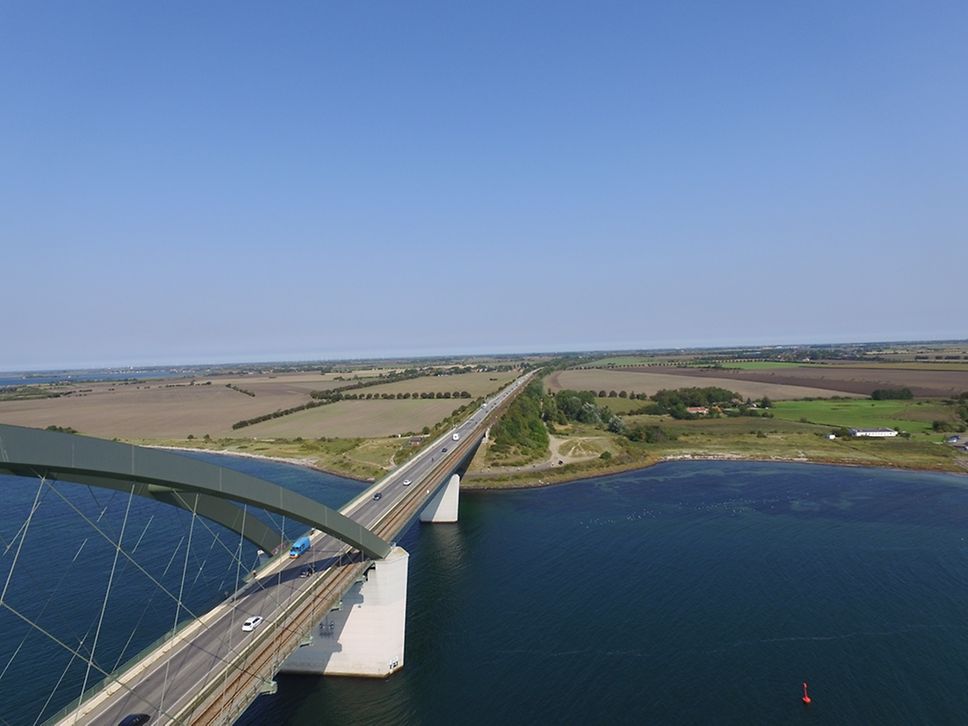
169,680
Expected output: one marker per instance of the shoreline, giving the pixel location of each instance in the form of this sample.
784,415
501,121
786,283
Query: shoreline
305,462
478,484
642,465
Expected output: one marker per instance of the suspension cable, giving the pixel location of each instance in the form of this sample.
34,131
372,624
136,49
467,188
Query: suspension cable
23,537
151,599
43,610
107,594
128,557
69,649
181,589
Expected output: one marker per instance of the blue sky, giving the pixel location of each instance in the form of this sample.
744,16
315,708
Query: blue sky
185,182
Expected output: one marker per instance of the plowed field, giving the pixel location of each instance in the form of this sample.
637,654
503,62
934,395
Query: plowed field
846,379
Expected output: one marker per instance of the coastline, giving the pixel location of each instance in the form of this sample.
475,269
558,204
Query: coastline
480,484
304,462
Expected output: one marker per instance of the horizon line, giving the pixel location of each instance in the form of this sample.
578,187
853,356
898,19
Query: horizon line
366,357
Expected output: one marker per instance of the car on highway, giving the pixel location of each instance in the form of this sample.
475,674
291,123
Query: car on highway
377,497
252,623
407,482
307,571
443,450
135,719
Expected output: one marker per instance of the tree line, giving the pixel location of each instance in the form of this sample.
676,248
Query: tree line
521,427
892,394
405,395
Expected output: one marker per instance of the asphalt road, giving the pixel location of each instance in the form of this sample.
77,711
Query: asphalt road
165,685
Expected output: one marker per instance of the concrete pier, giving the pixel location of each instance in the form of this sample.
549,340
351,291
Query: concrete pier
443,506
365,636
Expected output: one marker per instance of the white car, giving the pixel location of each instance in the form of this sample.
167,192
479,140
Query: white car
251,623
407,482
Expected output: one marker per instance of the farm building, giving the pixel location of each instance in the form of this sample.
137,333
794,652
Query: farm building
697,410
873,433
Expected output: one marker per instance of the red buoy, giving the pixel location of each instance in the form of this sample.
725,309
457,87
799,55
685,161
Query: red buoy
806,698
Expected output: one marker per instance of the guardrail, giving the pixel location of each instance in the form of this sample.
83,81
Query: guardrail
258,661
260,667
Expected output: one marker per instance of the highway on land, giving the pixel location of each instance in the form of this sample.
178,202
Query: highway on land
165,683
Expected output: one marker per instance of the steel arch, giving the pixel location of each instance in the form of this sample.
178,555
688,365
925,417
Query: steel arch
168,477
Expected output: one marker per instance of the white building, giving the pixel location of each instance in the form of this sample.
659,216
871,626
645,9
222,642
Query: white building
873,433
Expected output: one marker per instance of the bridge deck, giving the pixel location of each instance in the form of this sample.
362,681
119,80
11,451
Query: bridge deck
211,671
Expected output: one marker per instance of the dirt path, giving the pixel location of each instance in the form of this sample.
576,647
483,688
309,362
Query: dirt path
562,450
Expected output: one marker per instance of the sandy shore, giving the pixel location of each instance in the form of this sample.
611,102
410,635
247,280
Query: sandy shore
305,462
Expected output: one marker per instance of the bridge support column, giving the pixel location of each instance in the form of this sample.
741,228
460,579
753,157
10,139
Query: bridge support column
365,636
443,506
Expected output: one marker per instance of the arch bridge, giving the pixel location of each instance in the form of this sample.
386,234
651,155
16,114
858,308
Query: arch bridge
210,491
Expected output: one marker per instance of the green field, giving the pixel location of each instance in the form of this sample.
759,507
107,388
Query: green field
621,405
913,416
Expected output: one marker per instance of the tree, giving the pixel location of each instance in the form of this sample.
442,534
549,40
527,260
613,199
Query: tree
616,425
892,394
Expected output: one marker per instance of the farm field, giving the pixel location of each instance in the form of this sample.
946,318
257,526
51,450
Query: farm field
837,380
651,380
726,426
758,365
903,365
283,385
174,408
477,384
621,360
158,410
357,419
912,416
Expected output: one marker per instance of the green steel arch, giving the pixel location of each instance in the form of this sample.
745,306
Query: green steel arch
211,491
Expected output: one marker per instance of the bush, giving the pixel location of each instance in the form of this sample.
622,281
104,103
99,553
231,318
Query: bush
679,399
892,394
649,434
62,429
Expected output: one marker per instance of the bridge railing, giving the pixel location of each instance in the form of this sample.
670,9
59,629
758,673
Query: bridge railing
387,528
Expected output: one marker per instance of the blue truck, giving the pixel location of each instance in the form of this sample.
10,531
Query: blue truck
299,546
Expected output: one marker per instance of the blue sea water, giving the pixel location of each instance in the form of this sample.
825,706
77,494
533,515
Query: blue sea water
691,592
12,378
